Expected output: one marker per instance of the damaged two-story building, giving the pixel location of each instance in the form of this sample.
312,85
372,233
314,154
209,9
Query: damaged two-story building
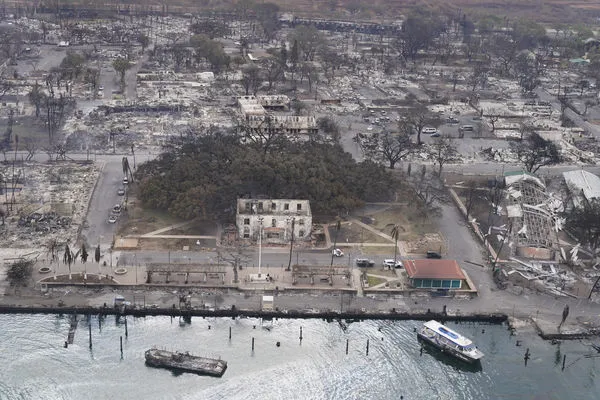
276,217
259,115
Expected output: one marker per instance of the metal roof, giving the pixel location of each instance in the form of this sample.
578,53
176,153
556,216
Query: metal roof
510,178
433,269
585,181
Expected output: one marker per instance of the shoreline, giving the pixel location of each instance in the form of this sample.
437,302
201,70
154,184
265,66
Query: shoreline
544,326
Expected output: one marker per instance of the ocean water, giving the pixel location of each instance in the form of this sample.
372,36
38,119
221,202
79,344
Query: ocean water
36,365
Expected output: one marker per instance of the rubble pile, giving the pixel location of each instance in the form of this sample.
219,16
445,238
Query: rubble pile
44,222
52,203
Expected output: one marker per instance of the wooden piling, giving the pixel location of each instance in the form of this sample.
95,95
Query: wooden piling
367,347
300,333
126,332
229,333
347,340
526,358
90,332
252,344
121,340
564,360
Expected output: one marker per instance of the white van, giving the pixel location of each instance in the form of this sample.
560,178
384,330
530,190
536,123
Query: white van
466,128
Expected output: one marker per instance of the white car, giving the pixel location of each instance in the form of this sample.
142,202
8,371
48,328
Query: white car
429,129
391,263
112,219
337,252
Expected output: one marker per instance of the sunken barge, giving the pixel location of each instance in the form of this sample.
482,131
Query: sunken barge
185,362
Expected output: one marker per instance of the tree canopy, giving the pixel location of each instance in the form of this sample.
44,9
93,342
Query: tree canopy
535,152
202,174
584,222
20,272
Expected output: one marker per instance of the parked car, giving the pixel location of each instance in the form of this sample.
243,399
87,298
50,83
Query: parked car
364,262
429,129
433,254
121,192
112,219
391,263
337,252
437,134
125,181
116,209
452,120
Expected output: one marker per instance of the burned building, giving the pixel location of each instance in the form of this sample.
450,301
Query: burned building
531,214
277,218
258,115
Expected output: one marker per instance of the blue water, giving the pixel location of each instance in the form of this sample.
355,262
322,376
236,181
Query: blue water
35,364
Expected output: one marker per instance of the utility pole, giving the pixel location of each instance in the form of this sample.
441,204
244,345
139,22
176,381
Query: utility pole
292,246
260,221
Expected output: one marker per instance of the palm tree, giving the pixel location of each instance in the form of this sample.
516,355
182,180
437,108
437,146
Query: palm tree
68,258
395,234
126,168
83,254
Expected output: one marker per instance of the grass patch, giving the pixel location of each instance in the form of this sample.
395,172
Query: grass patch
196,227
141,220
379,251
354,233
374,281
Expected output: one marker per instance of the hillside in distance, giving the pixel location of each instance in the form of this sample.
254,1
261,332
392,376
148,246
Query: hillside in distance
547,11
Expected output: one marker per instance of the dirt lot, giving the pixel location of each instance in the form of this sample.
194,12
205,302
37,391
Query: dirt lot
142,221
419,233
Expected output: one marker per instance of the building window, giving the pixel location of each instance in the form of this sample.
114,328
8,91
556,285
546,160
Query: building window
446,284
301,222
299,206
286,206
274,223
246,221
260,206
273,206
248,207
246,233
301,233
436,283
456,284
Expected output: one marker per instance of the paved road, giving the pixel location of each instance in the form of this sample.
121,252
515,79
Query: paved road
271,258
576,118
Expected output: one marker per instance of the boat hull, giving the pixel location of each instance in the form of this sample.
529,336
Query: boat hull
184,362
447,349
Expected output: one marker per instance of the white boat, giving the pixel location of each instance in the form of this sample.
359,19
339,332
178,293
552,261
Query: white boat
449,341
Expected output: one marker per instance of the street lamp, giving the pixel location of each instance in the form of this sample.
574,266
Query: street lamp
260,221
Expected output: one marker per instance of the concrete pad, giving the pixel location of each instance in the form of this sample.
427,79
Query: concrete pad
126,243
256,278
